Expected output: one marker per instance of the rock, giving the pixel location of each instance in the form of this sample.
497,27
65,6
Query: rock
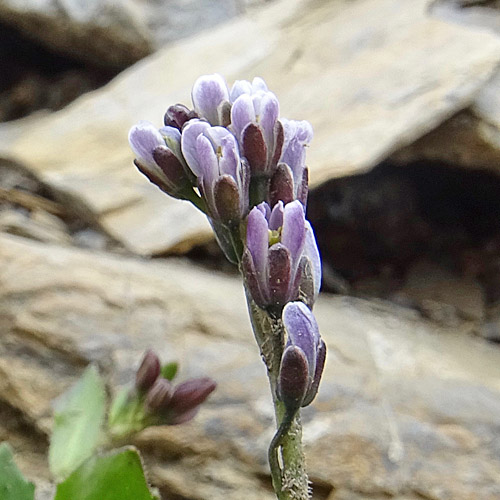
393,74
442,295
102,33
406,410
110,33
40,226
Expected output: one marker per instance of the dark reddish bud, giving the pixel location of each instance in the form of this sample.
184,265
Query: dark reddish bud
281,187
251,279
279,139
182,418
254,147
280,274
294,377
191,394
159,396
177,115
156,178
227,200
171,166
148,371
320,364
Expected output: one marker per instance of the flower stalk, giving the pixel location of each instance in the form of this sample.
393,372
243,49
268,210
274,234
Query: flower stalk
244,167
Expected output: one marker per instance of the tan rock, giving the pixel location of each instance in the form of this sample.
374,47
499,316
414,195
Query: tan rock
405,409
371,76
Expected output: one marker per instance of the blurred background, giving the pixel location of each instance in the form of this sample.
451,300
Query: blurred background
97,265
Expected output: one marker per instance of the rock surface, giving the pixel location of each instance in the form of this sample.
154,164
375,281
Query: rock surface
407,410
113,33
391,74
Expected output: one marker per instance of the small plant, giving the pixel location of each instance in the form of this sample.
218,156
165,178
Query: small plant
233,158
83,455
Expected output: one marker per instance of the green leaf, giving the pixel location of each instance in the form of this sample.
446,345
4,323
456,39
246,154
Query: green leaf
13,486
79,415
115,476
169,371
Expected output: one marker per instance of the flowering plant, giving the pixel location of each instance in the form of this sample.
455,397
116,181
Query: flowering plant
234,159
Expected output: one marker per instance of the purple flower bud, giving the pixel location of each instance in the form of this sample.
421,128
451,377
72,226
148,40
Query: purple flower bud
144,138
159,396
274,247
177,115
191,394
303,359
212,153
254,118
148,371
245,87
209,94
159,158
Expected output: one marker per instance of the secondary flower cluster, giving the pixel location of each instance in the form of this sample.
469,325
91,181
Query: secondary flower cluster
164,402
234,158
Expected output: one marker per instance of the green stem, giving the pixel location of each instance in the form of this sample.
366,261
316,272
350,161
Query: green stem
286,458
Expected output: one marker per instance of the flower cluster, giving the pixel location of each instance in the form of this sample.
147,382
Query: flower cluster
233,157
164,402
155,400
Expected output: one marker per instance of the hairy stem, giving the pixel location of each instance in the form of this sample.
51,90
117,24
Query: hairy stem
286,458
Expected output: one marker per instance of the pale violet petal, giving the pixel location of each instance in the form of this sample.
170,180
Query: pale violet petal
242,113
240,87
312,252
172,137
276,217
257,242
144,137
208,92
190,133
293,233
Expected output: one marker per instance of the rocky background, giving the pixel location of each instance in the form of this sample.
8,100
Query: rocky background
97,266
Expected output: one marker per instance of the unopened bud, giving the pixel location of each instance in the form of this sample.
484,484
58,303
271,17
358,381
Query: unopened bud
280,274
191,394
254,147
281,187
177,115
227,200
294,377
159,396
172,168
148,371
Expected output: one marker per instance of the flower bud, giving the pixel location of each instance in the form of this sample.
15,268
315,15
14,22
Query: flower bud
172,168
159,396
254,146
281,187
294,377
148,371
191,394
227,200
280,274
177,115
303,359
